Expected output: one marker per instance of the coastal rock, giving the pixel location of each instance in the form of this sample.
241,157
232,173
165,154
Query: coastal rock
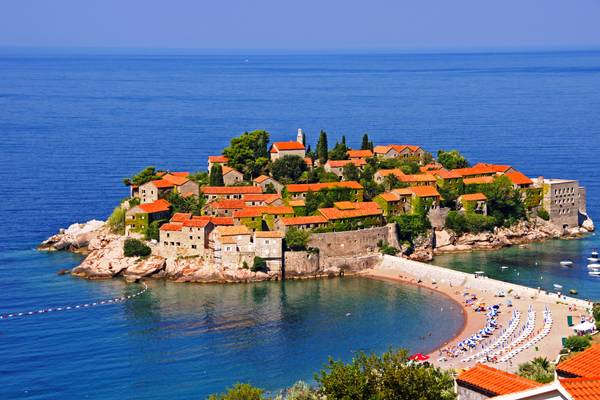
145,267
588,225
444,238
75,237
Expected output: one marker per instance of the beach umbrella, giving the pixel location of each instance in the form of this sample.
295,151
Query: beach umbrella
418,357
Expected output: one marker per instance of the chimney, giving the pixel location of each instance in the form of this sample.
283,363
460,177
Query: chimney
300,136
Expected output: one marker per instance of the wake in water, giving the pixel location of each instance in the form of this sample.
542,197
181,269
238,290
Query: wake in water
77,306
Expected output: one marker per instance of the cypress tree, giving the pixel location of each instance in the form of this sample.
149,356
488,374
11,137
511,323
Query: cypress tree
344,140
365,145
322,147
216,175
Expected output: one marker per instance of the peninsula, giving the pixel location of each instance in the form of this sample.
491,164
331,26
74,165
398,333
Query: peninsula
282,210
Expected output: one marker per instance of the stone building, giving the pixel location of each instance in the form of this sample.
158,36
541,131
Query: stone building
232,176
337,166
158,189
212,160
138,218
211,193
264,181
483,382
472,203
223,208
232,245
563,199
187,238
269,246
298,191
282,149
402,151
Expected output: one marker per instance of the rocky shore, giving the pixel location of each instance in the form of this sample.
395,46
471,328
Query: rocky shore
105,258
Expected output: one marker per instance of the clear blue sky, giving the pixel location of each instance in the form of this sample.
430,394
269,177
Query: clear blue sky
301,24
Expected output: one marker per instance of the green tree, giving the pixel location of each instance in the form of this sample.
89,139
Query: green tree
189,204
240,391
259,265
270,188
366,144
410,226
116,221
146,175
248,153
200,177
216,175
577,343
322,147
350,172
503,201
539,369
452,159
543,214
391,182
153,230
135,248
387,377
339,152
297,239
288,169
410,167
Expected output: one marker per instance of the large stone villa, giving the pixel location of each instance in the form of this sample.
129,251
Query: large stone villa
240,220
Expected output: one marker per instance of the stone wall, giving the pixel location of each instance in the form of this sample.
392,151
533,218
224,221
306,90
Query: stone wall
350,243
350,264
301,264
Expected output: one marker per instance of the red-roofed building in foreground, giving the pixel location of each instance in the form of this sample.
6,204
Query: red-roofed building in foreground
282,149
138,218
482,382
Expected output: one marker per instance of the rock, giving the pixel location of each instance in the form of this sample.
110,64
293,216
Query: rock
145,267
588,225
63,271
444,238
75,237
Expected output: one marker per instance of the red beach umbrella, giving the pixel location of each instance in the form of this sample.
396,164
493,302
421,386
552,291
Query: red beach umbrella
418,357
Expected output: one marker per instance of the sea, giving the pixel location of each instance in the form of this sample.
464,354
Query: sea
73,125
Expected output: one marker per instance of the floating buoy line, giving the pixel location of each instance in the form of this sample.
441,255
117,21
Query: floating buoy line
77,306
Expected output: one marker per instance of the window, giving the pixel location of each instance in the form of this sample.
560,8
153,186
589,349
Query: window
193,246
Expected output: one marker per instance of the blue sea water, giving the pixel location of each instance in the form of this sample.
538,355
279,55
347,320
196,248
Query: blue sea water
72,126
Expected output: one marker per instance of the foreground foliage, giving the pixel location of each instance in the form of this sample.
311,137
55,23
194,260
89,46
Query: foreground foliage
240,391
297,239
116,221
539,369
577,343
135,248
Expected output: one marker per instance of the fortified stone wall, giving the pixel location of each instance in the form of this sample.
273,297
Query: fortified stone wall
301,264
350,243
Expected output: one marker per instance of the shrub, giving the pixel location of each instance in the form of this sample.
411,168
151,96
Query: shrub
299,391
116,221
539,369
468,222
297,239
259,265
136,248
245,265
543,214
410,226
577,343
239,391
153,230
385,248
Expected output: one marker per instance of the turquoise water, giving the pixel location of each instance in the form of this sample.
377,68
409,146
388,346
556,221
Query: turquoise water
72,126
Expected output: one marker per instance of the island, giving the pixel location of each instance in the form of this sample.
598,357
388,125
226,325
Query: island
281,210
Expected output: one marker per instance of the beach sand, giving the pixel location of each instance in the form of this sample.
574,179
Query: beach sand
549,346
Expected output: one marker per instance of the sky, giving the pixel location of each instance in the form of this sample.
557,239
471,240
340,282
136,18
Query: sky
301,24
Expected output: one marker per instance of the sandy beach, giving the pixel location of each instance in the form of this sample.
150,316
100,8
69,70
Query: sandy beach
485,290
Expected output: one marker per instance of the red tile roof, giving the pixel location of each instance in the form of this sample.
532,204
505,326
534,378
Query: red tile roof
496,167
227,170
389,196
445,174
216,221
162,183
424,191
315,187
431,167
417,178
159,205
171,226
181,173
196,223
398,147
403,192
264,197
313,219
177,180
225,190
218,159
473,197
476,170
358,162
226,204
286,146
494,381
363,209
518,178
296,203
259,211
269,234
480,180
360,153
261,178
180,217
585,364
386,172
583,388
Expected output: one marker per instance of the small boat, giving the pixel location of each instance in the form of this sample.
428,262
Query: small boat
557,286
593,259
593,266
566,263
504,267
594,273
572,291
595,254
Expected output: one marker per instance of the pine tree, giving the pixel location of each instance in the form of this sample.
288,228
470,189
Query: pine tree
216,175
322,147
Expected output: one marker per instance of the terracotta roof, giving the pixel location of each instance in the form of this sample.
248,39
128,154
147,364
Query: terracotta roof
296,203
473,197
496,167
481,180
583,388
159,205
216,221
264,197
171,226
386,172
398,147
403,192
424,191
431,167
162,183
177,180
345,205
261,178
494,381
181,173
315,187
196,223
360,153
226,204
363,209
584,364
228,240
358,162
259,211
518,178
180,217
233,230
224,190
389,196
476,170
286,146
218,159
308,161
313,219
445,174
417,178
269,234
227,170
